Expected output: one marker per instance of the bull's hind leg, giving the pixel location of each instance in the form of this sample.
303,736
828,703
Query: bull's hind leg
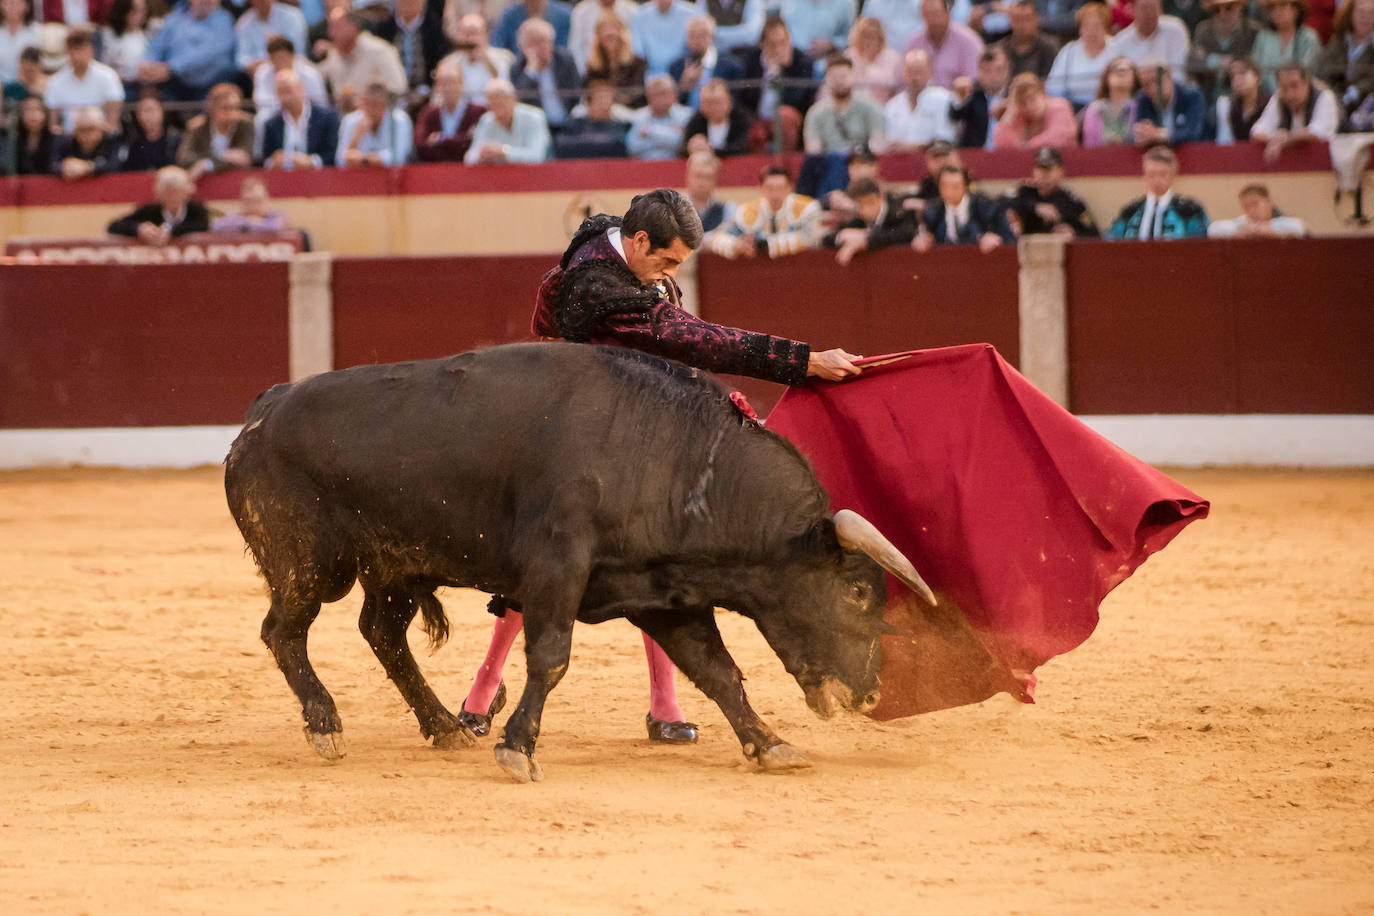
692,641
386,615
284,631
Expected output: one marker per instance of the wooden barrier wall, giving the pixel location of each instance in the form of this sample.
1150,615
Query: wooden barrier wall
1181,327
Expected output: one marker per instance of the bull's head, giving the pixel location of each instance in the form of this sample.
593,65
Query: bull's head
827,623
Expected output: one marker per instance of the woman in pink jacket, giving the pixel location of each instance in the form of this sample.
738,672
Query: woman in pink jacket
1034,119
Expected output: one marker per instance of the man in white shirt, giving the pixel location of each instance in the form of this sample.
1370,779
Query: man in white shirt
509,131
659,32
1258,221
1153,35
1298,112
582,32
281,55
265,19
656,129
377,134
918,115
83,81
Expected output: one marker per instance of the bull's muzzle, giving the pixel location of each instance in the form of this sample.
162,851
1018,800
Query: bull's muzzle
831,695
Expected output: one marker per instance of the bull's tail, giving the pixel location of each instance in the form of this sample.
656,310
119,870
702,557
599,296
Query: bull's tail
435,620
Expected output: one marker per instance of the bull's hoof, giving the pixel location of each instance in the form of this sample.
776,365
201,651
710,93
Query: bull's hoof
781,757
454,740
329,745
520,767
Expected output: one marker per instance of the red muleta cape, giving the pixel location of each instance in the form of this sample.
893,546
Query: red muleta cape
1019,516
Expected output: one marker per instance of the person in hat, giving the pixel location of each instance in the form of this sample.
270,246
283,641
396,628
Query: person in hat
1289,41
1043,205
1160,214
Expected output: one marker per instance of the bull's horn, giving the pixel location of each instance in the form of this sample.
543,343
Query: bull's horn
857,533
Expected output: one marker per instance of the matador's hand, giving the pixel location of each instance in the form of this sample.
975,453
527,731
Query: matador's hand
832,365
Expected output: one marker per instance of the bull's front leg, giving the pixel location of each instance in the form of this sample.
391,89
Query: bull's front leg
693,642
550,596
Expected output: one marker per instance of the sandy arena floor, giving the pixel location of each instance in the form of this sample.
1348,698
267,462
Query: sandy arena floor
1210,749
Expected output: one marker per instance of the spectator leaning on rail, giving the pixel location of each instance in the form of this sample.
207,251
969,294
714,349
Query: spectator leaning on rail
1043,205
173,213
1034,119
192,51
1167,111
254,213
656,129
775,225
1258,220
301,134
718,126
1300,112
378,133
1160,214
920,113
443,128
83,81
703,62
89,150
959,216
596,134
219,140
510,131
879,221
33,139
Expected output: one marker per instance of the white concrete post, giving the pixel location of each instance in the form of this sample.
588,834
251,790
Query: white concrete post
687,283
1043,315
310,321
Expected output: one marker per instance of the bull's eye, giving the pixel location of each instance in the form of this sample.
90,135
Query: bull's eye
860,592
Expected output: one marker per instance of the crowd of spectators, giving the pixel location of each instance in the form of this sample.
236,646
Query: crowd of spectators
200,83
208,86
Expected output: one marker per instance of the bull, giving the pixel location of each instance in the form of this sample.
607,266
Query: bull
580,483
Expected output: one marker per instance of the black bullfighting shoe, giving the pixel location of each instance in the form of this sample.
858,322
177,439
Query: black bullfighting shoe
478,724
671,732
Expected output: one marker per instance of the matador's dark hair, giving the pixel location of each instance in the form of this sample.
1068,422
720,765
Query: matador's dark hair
665,215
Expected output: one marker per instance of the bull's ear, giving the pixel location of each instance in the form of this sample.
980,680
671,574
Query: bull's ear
822,539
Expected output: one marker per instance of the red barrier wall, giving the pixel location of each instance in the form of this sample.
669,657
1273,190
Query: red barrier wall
391,309
882,302
1250,326
114,345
